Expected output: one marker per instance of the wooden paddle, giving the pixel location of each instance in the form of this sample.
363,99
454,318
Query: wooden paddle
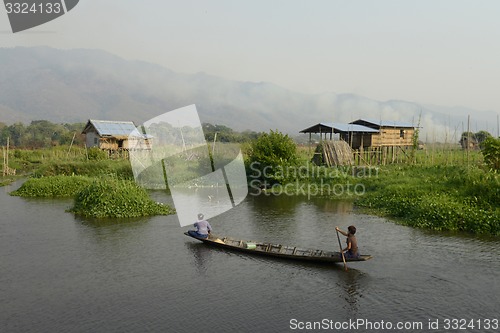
341,252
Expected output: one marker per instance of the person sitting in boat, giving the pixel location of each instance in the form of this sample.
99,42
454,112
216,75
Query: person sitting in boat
203,228
351,250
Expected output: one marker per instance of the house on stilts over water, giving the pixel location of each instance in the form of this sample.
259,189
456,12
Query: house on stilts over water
369,141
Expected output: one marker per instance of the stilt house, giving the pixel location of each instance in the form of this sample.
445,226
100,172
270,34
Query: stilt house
364,133
115,135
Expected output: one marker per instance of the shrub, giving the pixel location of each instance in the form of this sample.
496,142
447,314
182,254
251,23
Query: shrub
271,154
96,154
491,152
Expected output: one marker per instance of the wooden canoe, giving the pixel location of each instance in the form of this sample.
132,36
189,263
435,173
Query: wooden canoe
276,250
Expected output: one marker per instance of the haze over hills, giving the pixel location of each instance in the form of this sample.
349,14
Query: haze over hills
75,85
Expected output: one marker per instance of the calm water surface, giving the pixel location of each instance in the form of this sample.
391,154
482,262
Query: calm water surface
61,273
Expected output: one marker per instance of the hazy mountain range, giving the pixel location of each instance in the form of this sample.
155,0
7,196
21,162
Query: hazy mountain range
75,85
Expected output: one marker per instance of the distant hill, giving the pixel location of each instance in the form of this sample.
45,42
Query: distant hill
75,85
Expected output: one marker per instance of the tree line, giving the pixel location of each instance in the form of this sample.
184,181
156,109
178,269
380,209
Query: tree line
45,134
41,134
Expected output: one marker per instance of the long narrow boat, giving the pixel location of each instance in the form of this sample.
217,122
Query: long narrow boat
276,250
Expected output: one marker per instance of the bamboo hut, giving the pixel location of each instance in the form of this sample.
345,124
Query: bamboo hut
371,141
115,136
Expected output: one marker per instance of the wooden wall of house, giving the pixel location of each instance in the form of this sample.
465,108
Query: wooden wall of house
356,140
138,144
91,139
108,144
393,137
387,137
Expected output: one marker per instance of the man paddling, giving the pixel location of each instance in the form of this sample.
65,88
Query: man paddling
351,250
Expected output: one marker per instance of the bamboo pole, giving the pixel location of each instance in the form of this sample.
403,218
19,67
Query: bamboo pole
6,165
3,169
468,139
341,252
71,145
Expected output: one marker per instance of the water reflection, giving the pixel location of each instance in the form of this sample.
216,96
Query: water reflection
111,230
349,283
96,223
275,205
334,206
201,255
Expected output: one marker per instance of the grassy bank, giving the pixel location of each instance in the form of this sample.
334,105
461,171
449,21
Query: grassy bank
7,180
117,168
101,187
454,198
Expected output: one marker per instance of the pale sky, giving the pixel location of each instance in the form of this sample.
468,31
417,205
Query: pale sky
431,52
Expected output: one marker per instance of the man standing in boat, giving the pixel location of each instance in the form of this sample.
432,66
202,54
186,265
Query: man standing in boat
351,250
203,228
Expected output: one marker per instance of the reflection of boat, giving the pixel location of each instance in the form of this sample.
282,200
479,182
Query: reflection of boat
276,250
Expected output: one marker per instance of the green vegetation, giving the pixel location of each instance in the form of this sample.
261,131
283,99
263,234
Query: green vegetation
63,160
27,161
101,187
225,134
96,197
53,186
41,134
6,180
454,198
96,154
491,152
117,168
116,198
271,154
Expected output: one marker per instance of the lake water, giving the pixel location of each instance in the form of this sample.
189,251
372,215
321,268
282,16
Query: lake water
61,273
